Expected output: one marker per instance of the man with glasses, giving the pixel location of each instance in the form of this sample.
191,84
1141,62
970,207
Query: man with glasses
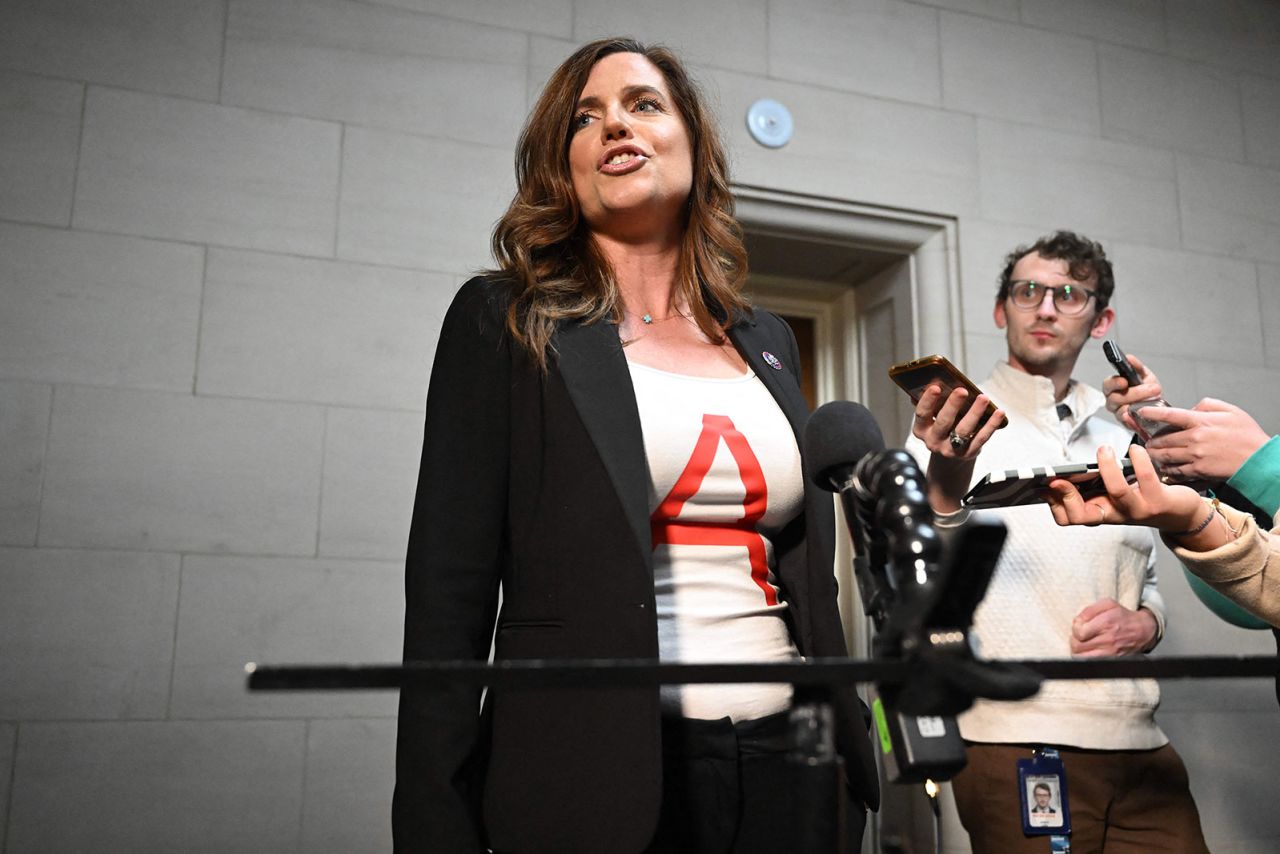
1058,592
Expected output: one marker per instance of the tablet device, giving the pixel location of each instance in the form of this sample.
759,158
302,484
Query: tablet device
1015,487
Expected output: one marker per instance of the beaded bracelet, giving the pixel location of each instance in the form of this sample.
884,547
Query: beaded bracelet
1213,511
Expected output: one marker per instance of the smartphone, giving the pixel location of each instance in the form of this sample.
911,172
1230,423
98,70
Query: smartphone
1116,357
1016,487
917,375
1145,426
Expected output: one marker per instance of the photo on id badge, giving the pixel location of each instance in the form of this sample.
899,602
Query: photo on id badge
1044,801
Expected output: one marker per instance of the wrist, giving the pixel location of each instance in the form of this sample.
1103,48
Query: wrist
950,470
1212,531
1153,628
948,480
1202,519
1187,509
1240,453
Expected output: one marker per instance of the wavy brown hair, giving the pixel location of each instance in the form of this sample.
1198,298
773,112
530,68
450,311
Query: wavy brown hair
542,243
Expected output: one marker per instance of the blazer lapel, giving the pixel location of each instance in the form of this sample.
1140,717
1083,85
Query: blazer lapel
782,382
590,359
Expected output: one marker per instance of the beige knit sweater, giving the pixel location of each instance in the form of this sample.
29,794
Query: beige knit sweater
1245,570
1047,574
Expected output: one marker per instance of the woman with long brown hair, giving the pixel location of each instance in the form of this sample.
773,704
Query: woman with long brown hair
611,439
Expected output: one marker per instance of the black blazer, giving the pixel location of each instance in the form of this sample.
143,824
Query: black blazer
540,482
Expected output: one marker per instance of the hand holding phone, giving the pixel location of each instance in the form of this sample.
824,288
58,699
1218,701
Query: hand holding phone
1144,427
953,425
916,376
1120,362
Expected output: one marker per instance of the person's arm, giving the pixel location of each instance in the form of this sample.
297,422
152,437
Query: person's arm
1258,478
1177,511
1120,395
950,466
1152,602
1213,541
1215,440
1108,628
455,554
1212,440
1245,569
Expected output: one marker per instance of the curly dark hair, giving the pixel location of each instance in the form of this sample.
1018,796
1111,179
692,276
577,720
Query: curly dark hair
1086,263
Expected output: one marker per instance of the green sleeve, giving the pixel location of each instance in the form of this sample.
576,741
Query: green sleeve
1259,478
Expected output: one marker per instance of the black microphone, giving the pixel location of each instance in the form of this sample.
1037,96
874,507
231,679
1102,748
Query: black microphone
920,599
837,436
844,450
883,496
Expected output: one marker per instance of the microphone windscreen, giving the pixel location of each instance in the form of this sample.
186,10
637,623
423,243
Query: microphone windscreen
836,436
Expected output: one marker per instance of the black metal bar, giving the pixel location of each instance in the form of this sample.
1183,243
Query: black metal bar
631,673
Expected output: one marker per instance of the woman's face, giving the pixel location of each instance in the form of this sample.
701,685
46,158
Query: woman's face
629,154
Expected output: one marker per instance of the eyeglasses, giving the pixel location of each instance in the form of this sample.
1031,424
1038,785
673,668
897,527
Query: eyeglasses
1067,299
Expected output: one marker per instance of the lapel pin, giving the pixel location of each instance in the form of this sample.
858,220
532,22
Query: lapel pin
772,360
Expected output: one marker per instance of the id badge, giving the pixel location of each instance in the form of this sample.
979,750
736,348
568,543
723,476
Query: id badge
1042,788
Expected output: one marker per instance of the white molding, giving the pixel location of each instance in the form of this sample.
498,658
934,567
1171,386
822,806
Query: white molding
929,245
931,240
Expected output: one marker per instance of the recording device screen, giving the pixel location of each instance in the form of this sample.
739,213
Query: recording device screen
1016,487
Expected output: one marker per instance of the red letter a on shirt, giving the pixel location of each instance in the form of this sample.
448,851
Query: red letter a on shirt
742,533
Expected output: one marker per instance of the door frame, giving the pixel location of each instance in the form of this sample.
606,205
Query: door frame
928,246
929,240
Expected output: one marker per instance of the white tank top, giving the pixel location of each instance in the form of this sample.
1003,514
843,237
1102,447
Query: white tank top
725,476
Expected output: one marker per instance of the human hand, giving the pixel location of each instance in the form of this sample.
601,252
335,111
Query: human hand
1212,441
1148,501
938,420
953,432
1120,395
1107,628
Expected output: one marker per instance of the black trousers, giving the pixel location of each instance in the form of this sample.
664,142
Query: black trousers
730,789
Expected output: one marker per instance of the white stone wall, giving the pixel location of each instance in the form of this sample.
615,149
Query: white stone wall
228,231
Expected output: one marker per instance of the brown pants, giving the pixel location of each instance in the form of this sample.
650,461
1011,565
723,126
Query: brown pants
1121,801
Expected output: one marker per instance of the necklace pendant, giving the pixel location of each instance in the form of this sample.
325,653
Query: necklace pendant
648,318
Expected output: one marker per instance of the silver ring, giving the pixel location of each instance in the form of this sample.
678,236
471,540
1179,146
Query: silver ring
1102,520
957,441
